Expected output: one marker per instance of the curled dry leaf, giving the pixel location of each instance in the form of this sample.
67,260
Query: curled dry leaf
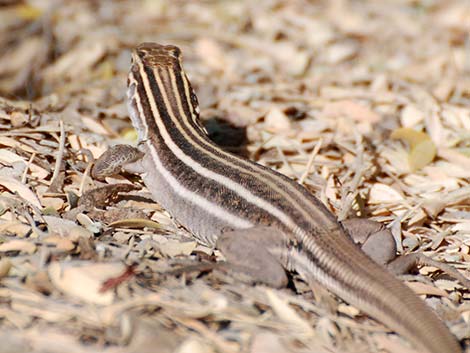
94,125
18,119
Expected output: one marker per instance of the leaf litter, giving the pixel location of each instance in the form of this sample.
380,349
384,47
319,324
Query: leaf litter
319,90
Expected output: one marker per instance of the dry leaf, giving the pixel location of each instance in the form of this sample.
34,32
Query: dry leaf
422,149
54,203
135,223
288,315
276,121
84,280
23,246
352,110
5,266
422,154
381,193
267,342
66,229
59,242
173,248
193,345
23,190
411,116
15,228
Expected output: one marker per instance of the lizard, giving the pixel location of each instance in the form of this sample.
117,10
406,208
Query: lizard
263,222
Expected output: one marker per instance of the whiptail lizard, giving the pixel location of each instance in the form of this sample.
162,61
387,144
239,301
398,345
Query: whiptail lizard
259,219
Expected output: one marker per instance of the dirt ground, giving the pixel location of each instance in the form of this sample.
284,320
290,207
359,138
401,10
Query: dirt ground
365,103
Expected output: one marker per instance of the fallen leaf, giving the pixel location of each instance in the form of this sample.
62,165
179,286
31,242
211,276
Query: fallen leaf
276,121
267,342
54,203
59,242
66,229
411,116
173,248
135,223
421,155
5,265
16,186
410,136
422,148
351,109
84,280
193,345
22,246
380,193
288,315
15,228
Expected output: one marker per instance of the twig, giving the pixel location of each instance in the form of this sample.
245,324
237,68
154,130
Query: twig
60,154
28,165
308,168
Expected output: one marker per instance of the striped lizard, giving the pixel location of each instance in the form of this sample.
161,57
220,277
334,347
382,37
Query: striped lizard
263,222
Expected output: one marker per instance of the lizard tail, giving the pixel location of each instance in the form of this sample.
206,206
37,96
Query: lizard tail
358,280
